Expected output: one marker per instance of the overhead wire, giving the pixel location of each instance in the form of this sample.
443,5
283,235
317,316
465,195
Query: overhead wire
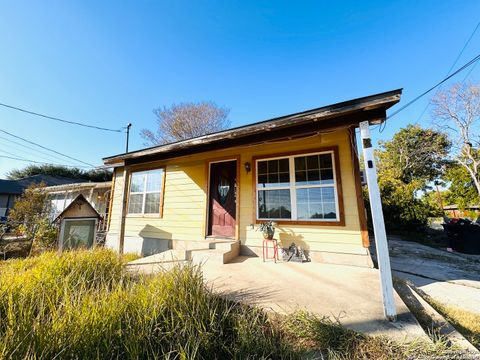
36,162
46,148
453,65
469,63
59,119
51,156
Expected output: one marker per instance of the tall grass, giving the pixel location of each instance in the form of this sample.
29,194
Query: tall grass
85,305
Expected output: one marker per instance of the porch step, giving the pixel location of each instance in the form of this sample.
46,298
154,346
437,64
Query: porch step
221,252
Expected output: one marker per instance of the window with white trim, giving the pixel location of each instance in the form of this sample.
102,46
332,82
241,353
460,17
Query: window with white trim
297,188
146,192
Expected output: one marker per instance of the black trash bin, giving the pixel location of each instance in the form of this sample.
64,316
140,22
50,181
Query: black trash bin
464,236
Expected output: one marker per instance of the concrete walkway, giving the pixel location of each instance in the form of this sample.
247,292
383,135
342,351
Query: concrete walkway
349,294
449,278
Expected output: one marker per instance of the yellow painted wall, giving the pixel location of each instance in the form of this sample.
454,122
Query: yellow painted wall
185,200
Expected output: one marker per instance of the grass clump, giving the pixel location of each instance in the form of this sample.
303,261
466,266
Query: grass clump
84,304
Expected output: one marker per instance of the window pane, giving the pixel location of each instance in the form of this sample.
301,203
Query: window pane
326,176
316,203
273,173
301,177
137,183
328,194
274,204
283,165
326,161
262,167
272,166
262,180
300,163
135,204
78,234
312,162
329,211
154,180
313,177
152,203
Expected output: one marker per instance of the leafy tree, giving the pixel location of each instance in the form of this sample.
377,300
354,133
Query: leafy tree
95,175
186,121
31,216
414,154
457,110
406,165
462,190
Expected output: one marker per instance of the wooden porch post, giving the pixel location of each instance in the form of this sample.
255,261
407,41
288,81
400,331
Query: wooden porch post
124,195
383,257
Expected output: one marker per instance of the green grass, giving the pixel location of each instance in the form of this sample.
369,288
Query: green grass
85,305
466,322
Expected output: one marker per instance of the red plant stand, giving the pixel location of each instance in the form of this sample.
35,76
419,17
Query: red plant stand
265,249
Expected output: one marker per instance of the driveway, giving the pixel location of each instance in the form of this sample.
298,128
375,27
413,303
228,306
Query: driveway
449,278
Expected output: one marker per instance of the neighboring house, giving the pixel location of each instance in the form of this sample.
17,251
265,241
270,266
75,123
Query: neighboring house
96,193
300,170
10,190
455,211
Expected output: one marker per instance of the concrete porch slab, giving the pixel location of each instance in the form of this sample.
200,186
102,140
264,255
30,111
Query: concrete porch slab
349,294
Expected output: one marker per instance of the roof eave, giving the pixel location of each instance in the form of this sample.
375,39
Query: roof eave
372,102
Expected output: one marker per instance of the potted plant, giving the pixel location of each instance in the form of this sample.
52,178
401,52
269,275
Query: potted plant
268,229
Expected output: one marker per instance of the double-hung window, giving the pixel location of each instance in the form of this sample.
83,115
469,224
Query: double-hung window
146,189
297,188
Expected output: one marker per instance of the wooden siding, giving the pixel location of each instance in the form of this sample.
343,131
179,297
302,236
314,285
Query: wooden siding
185,202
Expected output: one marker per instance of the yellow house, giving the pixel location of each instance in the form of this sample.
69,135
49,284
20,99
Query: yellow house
299,170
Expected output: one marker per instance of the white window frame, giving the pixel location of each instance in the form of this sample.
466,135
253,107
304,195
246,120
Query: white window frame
293,187
145,192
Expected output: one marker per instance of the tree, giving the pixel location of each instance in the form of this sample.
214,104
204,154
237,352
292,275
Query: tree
461,191
186,121
96,175
407,164
31,216
458,111
414,153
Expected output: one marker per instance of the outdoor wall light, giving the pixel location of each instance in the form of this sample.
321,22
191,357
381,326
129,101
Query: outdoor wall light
247,167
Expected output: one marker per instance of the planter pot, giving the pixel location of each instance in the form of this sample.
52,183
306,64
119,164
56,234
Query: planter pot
268,235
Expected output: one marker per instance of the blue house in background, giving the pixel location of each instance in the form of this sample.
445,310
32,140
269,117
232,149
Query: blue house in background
10,190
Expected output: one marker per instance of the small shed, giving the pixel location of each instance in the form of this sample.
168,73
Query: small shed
78,225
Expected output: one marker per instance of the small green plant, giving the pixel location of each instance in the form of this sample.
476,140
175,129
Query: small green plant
268,229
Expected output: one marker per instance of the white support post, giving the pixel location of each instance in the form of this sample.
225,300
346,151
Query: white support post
383,257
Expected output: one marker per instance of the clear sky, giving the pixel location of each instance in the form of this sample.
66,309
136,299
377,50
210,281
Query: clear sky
109,63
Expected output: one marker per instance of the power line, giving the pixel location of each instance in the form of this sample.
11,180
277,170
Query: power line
17,149
31,148
474,60
58,119
46,148
36,162
453,65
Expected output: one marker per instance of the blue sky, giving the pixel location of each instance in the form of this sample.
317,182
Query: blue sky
109,63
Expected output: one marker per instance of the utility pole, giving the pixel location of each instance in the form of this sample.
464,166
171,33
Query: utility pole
383,257
129,125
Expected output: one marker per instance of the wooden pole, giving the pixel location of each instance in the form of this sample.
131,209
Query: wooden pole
381,244
124,195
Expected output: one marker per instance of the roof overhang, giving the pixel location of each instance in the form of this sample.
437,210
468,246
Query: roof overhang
332,117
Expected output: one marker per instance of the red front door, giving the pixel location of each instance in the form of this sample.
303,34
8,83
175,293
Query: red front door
222,203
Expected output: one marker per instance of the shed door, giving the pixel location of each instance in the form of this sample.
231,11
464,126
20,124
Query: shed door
222,204
78,233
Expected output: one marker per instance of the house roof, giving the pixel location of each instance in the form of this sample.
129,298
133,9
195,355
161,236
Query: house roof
78,198
17,186
340,115
79,185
